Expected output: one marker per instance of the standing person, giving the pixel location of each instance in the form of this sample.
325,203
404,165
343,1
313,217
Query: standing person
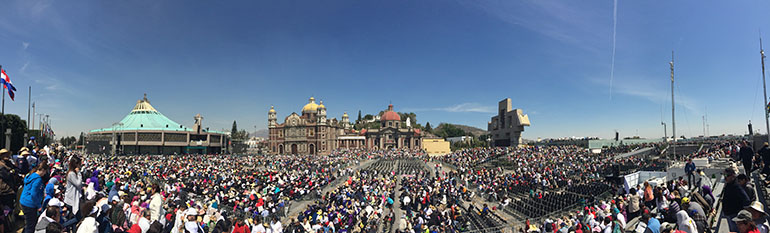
734,198
74,186
764,153
747,155
649,197
689,168
9,183
9,179
156,203
32,196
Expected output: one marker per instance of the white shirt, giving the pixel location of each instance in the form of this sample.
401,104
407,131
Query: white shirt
258,229
277,227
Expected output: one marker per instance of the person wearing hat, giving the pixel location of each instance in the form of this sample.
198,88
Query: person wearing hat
192,225
744,222
9,179
759,216
22,163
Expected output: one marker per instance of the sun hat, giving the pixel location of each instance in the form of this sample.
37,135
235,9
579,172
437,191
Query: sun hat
758,207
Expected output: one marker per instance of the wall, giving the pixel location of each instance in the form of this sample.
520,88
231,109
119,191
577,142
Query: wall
435,146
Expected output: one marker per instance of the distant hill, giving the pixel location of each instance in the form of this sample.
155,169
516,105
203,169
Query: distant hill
263,133
469,129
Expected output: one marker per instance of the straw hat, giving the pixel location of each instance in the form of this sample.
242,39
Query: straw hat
757,206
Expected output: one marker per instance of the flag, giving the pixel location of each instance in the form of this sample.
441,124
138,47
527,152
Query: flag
6,81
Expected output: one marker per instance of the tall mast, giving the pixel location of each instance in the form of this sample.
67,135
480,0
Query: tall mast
764,86
673,119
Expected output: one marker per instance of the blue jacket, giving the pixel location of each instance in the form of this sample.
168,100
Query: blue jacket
32,196
689,168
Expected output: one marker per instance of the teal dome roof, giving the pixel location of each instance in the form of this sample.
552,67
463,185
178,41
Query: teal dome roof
145,117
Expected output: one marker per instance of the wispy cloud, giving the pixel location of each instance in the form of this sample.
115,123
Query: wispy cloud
24,45
464,107
24,67
571,24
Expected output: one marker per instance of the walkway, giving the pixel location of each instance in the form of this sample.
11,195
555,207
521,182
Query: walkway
299,206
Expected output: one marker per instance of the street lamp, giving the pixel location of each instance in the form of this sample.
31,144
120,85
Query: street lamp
114,138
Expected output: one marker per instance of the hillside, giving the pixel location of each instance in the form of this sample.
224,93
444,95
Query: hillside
262,133
468,129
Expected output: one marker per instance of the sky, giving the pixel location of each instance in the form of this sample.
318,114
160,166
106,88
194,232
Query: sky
88,62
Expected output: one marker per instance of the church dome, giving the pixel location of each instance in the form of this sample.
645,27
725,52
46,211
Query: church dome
390,115
272,110
310,107
321,105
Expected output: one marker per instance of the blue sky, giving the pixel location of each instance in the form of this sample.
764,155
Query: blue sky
448,61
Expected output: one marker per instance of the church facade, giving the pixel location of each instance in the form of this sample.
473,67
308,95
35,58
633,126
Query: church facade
311,132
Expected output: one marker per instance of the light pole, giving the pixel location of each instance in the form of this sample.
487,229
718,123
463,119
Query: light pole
114,138
665,133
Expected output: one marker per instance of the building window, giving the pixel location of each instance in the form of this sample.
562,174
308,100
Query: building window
390,124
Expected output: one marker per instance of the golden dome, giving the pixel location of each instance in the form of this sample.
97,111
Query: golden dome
272,110
321,105
345,114
310,107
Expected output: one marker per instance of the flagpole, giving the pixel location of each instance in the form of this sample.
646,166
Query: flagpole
29,103
764,86
3,110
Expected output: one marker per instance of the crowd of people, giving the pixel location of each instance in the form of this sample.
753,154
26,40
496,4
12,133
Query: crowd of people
168,193
56,190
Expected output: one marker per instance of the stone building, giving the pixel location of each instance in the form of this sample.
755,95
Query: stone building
313,133
309,133
505,128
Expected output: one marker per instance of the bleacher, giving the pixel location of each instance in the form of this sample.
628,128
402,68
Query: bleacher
556,202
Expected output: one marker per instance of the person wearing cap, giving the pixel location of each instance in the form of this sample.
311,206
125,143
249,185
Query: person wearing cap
192,225
759,216
744,222
696,212
734,198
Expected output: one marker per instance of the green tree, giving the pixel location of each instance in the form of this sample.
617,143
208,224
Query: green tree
67,141
428,128
18,129
359,116
234,130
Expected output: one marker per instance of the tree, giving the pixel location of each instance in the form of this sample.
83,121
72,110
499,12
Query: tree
234,130
359,116
67,141
18,129
428,128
